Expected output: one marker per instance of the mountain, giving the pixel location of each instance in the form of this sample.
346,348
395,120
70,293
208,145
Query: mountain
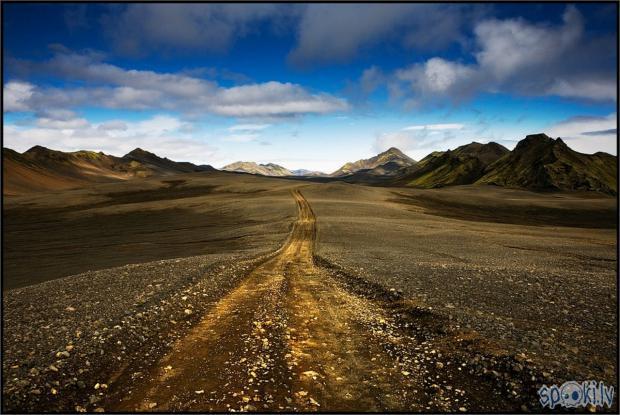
268,169
392,155
307,173
163,166
540,162
486,153
463,165
41,169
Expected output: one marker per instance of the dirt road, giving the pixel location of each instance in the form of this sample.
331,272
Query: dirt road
291,337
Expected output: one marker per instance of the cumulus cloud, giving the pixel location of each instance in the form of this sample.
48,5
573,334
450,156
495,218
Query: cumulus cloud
16,96
326,35
137,29
588,134
161,134
111,86
273,99
323,34
516,56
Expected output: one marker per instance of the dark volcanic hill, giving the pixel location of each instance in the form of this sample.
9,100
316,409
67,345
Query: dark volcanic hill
392,155
540,162
163,166
40,168
463,165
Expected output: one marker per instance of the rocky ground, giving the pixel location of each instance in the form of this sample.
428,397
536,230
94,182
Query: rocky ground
60,351
547,292
400,306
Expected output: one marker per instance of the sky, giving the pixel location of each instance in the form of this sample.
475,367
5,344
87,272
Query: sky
306,85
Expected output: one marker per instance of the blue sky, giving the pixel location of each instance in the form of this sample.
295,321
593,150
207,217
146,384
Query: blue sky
307,86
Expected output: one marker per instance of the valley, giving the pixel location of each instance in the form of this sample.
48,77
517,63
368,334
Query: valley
138,271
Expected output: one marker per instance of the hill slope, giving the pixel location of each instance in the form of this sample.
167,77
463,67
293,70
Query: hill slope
392,155
463,165
268,169
40,168
539,162
163,166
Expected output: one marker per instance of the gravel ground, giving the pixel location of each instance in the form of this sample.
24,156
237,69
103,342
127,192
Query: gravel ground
542,296
547,292
64,340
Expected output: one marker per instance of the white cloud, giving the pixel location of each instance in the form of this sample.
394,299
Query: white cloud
113,125
160,134
241,138
588,134
139,90
516,56
248,127
138,29
70,124
595,89
326,32
509,46
452,126
16,95
273,99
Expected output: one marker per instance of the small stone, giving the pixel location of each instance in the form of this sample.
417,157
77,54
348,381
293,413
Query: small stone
313,402
439,365
311,373
405,373
200,392
188,311
53,368
463,409
152,405
70,309
100,409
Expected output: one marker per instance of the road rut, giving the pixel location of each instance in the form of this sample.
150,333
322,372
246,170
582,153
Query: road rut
291,337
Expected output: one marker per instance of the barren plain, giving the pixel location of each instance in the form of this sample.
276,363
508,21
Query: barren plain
222,291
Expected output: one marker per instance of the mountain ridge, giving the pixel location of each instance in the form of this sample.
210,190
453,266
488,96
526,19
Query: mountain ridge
40,168
390,155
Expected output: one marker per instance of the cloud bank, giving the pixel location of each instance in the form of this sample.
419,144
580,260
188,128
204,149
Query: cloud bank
110,86
516,56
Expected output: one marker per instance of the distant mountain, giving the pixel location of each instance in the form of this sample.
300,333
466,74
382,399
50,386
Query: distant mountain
392,155
268,169
539,162
463,165
307,173
40,168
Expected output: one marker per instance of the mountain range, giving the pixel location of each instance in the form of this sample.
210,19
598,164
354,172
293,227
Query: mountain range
538,162
40,168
